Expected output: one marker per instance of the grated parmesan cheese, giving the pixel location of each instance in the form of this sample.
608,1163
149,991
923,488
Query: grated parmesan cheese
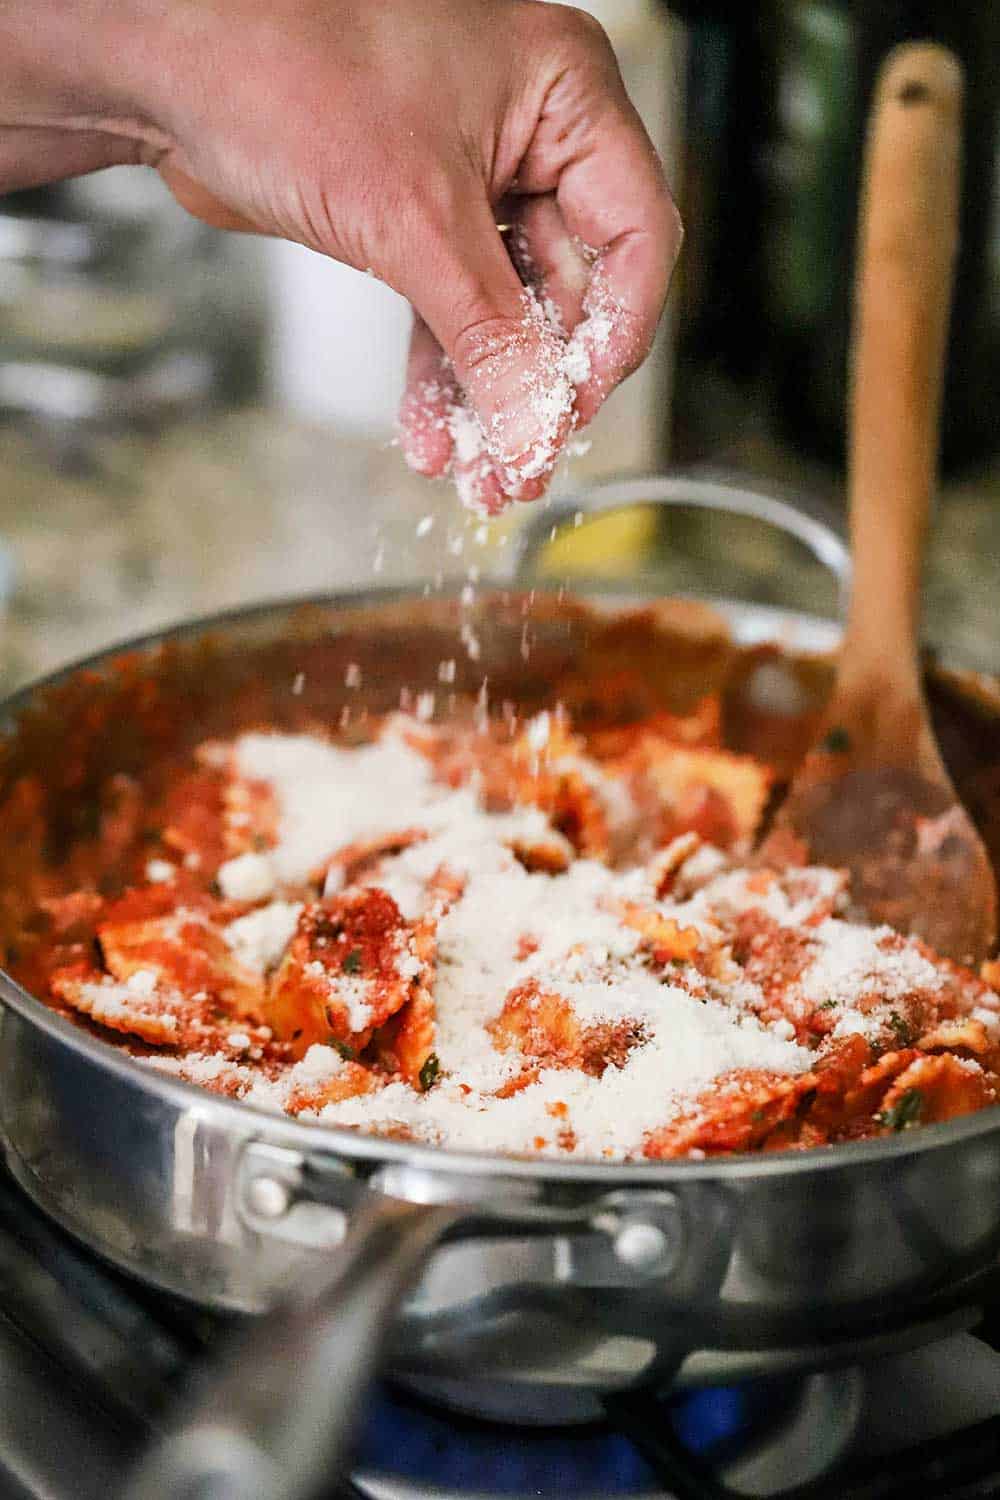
330,797
509,930
353,994
260,938
248,877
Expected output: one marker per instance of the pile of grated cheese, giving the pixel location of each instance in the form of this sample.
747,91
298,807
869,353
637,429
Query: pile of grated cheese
563,931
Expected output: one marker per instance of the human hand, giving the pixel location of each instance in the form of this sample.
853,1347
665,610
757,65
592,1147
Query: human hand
392,137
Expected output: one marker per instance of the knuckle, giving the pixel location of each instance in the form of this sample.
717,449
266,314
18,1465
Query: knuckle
572,35
663,226
580,27
635,350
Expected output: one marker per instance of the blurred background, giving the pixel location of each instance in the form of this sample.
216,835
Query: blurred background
191,420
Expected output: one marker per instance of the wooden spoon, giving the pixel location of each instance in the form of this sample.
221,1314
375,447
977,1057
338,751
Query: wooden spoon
873,795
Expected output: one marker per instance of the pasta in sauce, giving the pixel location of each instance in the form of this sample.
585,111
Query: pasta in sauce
522,936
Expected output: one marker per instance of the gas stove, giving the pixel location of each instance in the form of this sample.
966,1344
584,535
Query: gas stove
90,1363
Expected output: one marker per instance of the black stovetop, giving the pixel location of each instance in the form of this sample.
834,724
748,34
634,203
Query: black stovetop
91,1362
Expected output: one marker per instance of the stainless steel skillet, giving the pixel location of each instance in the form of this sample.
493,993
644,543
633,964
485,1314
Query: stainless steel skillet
531,1287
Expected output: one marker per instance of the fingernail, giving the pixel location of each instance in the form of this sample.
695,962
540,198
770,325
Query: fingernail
531,489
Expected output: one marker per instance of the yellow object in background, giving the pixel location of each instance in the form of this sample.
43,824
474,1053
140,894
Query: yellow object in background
606,546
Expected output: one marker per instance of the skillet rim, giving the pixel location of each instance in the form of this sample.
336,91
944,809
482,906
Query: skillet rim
356,1147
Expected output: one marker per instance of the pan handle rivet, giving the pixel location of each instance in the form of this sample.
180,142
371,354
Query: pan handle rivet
268,1197
642,1245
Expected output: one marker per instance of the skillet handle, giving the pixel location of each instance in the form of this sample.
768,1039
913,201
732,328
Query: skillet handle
817,530
276,1420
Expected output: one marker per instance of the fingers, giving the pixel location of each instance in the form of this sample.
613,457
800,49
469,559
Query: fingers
512,368
31,156
590,149
549,260
612,195
614,337
507,359
430,396
440,434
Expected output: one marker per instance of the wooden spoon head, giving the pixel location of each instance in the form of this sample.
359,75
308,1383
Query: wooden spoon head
914,856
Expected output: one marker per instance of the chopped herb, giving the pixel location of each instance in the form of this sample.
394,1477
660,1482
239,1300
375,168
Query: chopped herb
346,1051
260,843
838,740
352,963
429,1072
828,1005
900,1029
757,1118
904,1114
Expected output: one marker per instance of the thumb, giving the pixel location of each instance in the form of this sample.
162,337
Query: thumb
510,361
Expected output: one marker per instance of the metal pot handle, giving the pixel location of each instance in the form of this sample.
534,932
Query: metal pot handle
276,1420
815,533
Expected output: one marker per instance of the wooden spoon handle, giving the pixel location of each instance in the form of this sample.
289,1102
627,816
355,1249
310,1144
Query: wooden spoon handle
907,241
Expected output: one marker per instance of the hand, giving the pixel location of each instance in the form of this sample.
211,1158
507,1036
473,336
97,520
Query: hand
393,137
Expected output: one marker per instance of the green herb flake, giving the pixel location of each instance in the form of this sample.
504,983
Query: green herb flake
429,1072
757,1118
900,1029
903,1114
837,740
352,963
346,1051
828,1005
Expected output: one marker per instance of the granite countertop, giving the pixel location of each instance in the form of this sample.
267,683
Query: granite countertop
208,515
247,505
